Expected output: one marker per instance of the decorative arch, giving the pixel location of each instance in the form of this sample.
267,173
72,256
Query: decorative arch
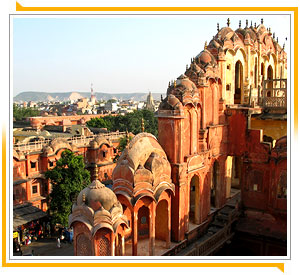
238,82
103,242
194,199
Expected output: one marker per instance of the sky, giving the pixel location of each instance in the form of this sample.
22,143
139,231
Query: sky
118,54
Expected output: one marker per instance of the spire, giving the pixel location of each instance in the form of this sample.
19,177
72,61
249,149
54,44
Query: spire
218,27
161,98
92,91
277,39
143,125
95,173
205,45
228,22
254,24
127,138
240,23
262,21
251,24
273,35
246,23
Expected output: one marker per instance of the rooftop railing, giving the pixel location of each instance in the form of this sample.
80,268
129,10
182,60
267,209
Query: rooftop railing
76,140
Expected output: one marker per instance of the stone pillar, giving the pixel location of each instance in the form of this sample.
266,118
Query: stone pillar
152,230
112,244
168,235
122,245
134,234
117,247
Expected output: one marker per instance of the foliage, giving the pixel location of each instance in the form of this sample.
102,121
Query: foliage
68,178
19,113
132,122
122,145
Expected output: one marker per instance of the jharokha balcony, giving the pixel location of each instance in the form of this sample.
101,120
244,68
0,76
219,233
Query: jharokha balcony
273,94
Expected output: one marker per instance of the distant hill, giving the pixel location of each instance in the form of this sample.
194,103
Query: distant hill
46,97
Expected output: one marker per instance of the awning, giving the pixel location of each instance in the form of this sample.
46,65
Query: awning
26,213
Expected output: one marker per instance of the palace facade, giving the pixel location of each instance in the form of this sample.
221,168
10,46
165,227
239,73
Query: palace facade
217,156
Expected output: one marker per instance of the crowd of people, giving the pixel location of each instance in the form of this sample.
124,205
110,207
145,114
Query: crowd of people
37,231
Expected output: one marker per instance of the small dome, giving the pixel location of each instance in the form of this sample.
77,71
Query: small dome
225,33
205,58
96,196
48,150
247,31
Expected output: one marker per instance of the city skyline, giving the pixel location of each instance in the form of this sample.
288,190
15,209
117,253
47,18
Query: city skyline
118,54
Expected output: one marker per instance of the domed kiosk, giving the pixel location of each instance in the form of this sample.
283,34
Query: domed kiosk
98,222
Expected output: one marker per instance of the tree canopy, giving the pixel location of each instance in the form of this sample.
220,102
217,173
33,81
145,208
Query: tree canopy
20,113
132,122
68,178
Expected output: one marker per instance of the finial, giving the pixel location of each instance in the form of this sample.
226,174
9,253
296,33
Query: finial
218,26
251,24
254,24
283,46
269,30
187,66
262,21
174,83
143,125
83,197
228,22
161,98
246,23
277,39
240,23
205,45
273,35
169,84
96,174
127,138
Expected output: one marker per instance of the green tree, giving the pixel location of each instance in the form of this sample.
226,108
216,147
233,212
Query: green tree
131,122
19,113
68,178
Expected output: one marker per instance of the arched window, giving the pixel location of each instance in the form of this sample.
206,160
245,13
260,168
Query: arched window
255,73
281,188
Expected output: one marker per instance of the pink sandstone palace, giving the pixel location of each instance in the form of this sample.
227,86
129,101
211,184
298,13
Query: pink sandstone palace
221,151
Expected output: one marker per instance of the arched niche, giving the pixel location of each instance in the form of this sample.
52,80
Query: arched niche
238,82
194,210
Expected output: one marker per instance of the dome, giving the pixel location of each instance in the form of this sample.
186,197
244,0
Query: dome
205,58
97,196
225,33
142,169
247,31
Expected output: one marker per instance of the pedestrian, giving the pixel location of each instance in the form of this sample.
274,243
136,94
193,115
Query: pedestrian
58,243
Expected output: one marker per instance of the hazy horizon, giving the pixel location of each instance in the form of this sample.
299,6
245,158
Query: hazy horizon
118,54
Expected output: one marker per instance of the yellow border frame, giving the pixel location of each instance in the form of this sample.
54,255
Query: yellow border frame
145,264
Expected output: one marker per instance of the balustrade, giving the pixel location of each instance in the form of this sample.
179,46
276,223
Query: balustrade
81,140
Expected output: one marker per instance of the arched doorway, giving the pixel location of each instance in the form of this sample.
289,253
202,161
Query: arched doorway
214,183
236,172
103,242
238,90
270,83
194,213
143,230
